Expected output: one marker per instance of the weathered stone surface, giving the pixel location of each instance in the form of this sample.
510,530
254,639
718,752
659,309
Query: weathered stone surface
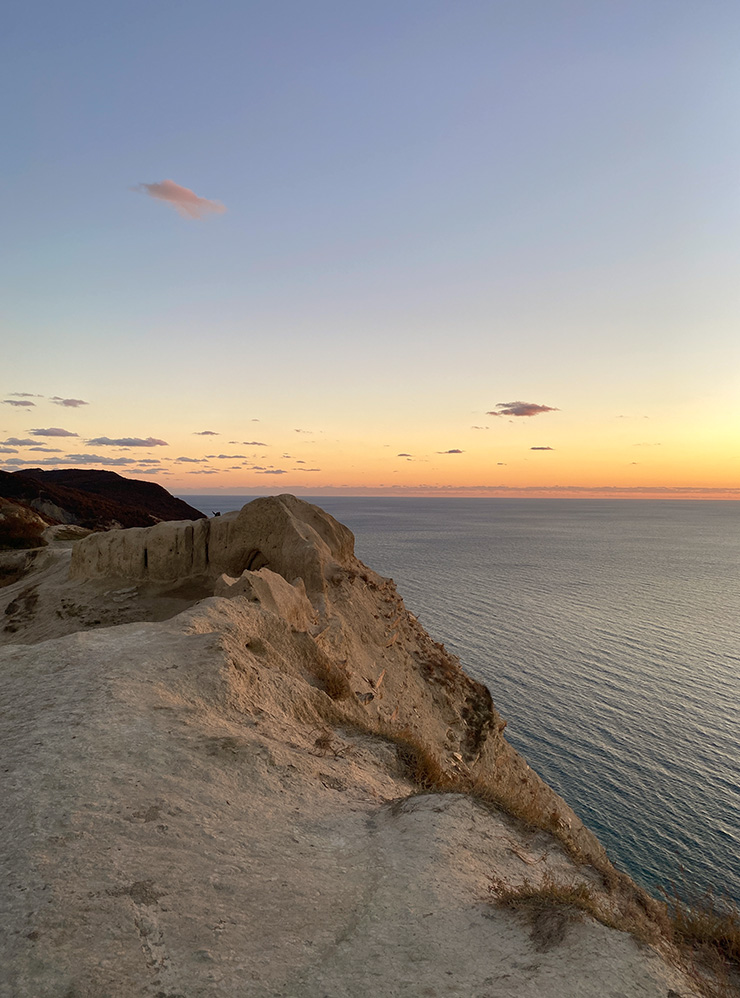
228,802
290,537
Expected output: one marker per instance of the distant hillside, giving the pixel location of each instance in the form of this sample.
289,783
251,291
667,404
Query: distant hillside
94,499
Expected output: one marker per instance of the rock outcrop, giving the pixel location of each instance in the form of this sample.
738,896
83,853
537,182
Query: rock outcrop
236,765
289,536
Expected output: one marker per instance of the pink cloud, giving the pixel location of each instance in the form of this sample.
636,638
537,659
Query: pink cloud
520,409
186,202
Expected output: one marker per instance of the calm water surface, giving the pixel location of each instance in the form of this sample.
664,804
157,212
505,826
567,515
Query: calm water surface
607,632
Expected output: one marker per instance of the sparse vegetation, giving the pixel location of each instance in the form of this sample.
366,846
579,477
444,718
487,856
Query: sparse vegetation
575,896
421,765
709,924
20,528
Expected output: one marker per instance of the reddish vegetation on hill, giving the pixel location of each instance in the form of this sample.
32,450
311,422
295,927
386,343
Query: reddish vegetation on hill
94,499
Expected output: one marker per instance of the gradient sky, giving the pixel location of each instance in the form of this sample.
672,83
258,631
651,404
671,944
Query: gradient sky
339,236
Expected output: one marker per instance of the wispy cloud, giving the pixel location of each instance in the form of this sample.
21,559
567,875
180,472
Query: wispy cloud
15,442
125,442
520,409
275,471
542,448
186,202
97,459
8,450
227,457
69,403
53,431
22,462
249,443
16,402
207,433
46,450
190,460
25,395
479,427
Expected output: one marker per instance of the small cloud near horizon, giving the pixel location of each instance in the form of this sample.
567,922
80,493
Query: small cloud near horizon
249,443
207,433
183,200
16,402
455,450
46,450
16,442
125,442
403,455
26,395
69,403
542,448
520,409
190,460
53,431
276,471
97,459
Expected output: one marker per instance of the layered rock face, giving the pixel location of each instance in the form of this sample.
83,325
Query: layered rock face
286,788
289,536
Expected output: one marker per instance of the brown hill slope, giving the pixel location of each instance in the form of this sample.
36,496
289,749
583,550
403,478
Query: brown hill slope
94,499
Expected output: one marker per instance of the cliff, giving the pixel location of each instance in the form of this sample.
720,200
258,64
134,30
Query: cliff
235,764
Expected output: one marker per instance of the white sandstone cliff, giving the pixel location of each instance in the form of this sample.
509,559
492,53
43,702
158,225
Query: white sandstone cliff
236,765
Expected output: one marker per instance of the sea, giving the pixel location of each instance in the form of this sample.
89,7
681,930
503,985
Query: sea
608,632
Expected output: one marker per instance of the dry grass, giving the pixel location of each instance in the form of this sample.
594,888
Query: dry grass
576,898
421,765
20,529
708,924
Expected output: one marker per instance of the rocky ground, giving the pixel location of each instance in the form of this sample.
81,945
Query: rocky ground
269,781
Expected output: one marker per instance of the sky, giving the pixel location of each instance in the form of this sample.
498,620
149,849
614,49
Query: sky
487,247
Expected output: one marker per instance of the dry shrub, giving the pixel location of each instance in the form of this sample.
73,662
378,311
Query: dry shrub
336,683
575,898
521,803
709,923
420,763
20,529
334,679
546,894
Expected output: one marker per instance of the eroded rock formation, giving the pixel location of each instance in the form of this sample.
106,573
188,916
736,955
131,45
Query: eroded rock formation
284,788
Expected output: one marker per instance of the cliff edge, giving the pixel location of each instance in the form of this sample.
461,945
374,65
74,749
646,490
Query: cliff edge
235,764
